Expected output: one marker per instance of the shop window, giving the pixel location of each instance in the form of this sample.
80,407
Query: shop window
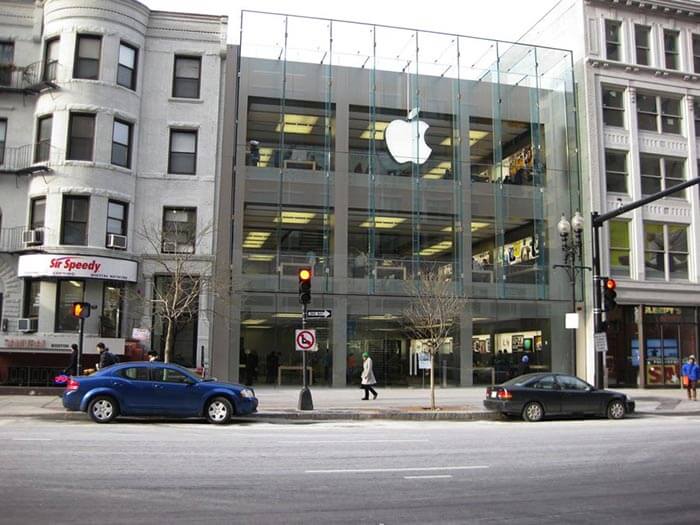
182,158
292,134
642,45
42,148
185,333
179,230
285,240
51,48
68,292
186,76
616,171
30,304
110,320
613,107
661,173
74,221
620,248
666,251
126,68
3,139
671,53
7,62
659,113
87,57
696,53
613,40
81,136
121,143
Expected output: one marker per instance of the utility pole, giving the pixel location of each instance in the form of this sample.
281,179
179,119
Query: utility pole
597,222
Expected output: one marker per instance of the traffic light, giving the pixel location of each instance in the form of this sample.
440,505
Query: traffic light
81,310
305,285
609,294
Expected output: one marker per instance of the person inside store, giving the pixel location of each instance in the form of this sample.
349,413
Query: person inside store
107,358
153,356
690,374
72,368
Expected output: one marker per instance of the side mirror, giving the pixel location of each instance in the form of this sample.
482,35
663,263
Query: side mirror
190,381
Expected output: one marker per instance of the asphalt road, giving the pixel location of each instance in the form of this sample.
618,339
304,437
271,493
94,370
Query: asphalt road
640,470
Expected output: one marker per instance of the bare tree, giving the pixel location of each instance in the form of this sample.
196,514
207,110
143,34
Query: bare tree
432,314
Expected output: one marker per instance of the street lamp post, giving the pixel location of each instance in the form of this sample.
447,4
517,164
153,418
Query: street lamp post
572,250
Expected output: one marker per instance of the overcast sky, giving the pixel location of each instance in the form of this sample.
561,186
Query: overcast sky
498,19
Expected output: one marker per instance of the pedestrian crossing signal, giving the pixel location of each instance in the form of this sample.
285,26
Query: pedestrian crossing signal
81,310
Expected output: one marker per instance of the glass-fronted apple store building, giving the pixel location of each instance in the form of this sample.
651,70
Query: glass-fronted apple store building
372,154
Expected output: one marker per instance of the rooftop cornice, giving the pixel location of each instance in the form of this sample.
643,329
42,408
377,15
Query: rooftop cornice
670,8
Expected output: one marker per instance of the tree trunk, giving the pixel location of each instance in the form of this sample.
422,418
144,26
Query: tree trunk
169,342
432,381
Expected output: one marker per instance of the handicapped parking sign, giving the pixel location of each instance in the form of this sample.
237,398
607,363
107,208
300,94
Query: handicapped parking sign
305,340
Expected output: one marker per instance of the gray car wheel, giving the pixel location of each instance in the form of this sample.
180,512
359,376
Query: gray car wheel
533,411
103,409
616,409
219,411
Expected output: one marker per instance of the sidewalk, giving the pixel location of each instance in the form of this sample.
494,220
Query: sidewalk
279,404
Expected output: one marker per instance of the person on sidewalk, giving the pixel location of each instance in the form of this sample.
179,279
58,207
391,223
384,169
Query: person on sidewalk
368,379
107,358
152,356
72,368
690,374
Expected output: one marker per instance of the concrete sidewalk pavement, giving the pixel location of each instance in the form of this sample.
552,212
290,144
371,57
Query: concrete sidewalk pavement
279,403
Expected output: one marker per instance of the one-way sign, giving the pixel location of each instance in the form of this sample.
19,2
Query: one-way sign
318,314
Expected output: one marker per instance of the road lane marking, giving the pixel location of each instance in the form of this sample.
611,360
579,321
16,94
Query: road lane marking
31,439
356,441
406,469
435,476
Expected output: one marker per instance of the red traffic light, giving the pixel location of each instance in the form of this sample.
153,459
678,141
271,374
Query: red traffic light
610,284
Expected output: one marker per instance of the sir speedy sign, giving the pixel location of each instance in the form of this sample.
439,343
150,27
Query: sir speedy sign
77,266
70,264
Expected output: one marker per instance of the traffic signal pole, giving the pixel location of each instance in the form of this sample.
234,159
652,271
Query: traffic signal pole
597,222
80,346
305,400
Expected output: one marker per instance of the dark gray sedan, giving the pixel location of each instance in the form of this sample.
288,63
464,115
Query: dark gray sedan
536,396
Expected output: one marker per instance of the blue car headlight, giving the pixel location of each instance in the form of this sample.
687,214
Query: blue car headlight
247,393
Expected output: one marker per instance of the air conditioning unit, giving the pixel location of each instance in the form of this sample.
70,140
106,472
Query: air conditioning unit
169,247
176,247
116,241
27,324
33,237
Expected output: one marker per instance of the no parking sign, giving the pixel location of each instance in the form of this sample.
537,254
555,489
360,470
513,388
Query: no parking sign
305,340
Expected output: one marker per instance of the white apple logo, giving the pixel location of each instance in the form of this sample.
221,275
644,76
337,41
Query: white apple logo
401,137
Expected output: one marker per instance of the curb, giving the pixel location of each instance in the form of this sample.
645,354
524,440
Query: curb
300,416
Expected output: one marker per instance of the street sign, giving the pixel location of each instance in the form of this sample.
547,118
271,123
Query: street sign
318,314
305,340
600,341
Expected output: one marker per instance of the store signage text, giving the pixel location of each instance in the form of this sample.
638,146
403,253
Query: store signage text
70,264
77,266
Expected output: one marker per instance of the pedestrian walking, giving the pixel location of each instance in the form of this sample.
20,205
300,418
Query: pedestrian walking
72,368
107,358
368,380
153,356
690,374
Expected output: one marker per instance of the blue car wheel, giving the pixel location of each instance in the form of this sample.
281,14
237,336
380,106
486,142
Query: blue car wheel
219,411
103,409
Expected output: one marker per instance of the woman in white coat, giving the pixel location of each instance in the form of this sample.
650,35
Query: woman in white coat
368,379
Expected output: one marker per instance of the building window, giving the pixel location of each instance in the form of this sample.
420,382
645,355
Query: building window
68,292
126,69
696,111
613,107
696,53
661,173
87,57
3,139
613,42
74,221
616,171
671,49
30,306
183,152
81,136
186,76
37,213
619,248
666,251
121,143
658,113
42,148
7,62
51,59
641,45
179,230
117,213
110,320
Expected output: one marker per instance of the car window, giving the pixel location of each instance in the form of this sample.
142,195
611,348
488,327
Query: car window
546,383
168,375
138,373
572,383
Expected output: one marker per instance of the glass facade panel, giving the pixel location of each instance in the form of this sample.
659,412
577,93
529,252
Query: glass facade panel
68,292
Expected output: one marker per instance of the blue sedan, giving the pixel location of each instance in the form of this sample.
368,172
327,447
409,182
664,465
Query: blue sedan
156,389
